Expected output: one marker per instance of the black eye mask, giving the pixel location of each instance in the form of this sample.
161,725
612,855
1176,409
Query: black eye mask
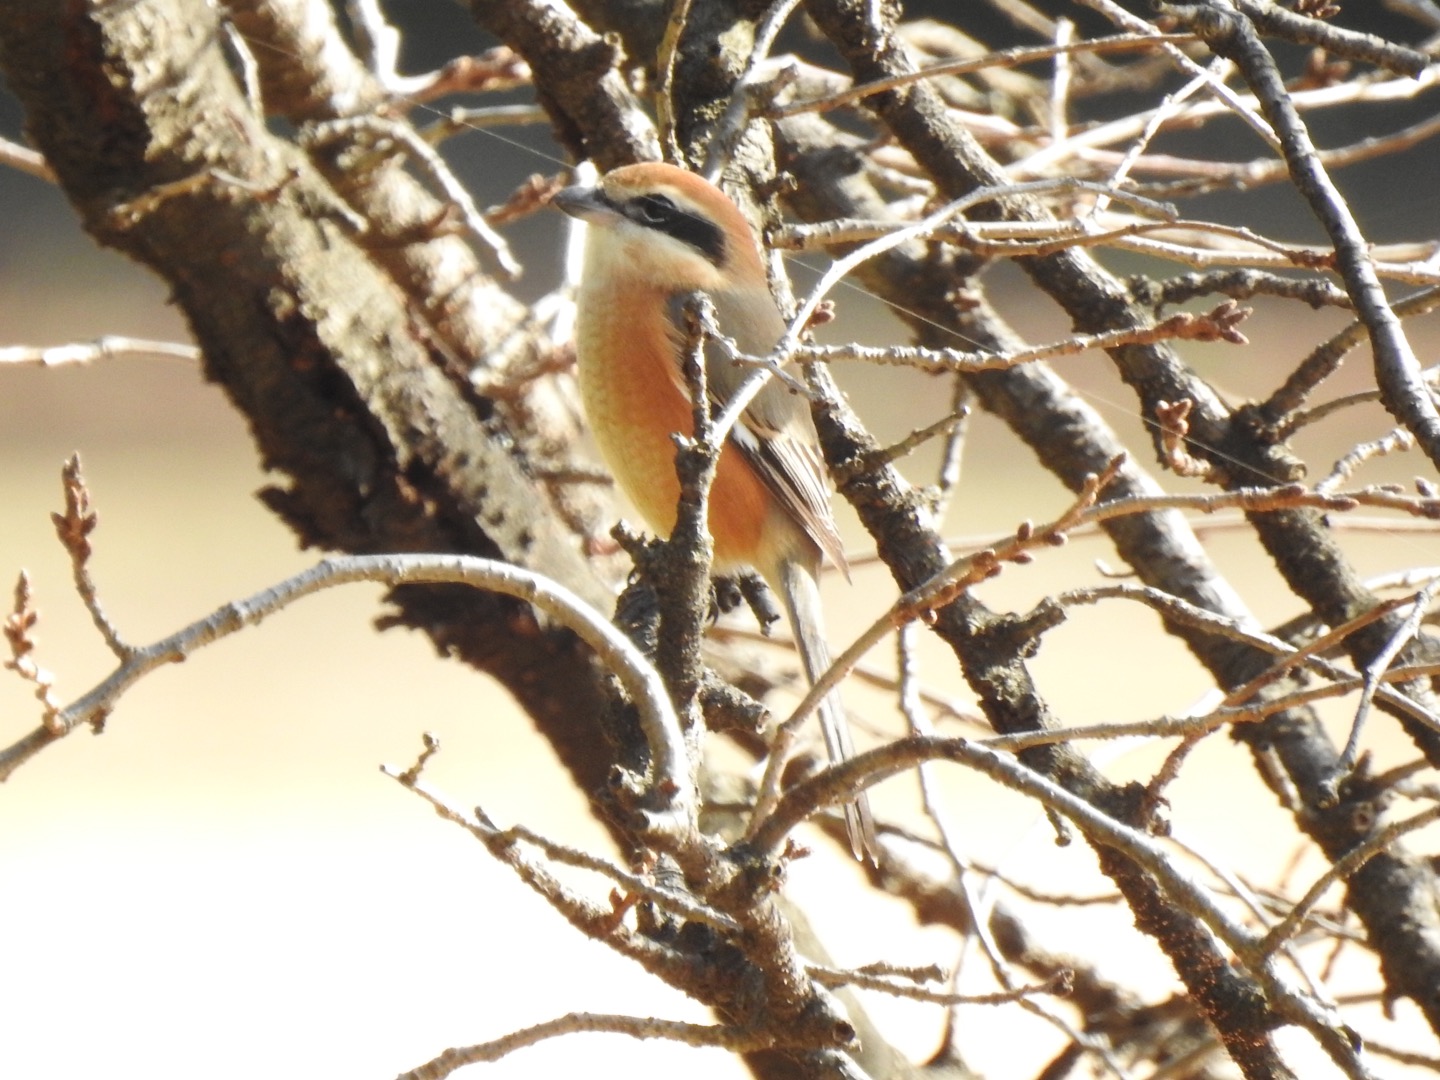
660,213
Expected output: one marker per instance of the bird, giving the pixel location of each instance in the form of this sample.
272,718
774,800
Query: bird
658,234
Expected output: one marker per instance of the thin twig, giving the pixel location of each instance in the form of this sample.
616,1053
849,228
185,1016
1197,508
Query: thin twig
109,347
1375,671
1129,42
74,527
1397,440
728,1038
749,90
503,842
1339,870
1060,985
665,80
379,129
19,626
1397,369
669,756
26,160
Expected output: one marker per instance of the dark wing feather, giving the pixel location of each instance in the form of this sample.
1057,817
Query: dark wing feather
790,464
775,434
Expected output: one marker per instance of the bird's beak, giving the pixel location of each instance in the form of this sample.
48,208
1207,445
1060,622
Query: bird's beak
585,203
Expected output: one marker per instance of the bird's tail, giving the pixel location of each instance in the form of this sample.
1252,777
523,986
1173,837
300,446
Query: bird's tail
802,602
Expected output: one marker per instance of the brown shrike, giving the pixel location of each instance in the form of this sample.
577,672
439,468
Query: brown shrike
658,234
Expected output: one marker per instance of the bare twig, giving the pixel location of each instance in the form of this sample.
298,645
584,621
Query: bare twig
1217,325
750,90
1000,59
105,348
504,845
1060,985
74,527
635,1026
1343,868
1397,370
665,82
1375,671
1397,440
26,160
19,624
669,756
384,133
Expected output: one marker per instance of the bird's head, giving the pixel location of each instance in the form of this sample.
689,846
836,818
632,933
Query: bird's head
659,223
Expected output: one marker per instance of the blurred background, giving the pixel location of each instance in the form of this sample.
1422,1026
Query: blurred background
224,884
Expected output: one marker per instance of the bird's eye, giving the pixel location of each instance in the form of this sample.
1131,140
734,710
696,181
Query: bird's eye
661,215
653,209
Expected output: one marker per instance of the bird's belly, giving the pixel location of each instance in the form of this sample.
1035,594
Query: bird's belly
634,406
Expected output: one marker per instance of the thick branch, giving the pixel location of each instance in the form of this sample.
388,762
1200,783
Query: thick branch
347,392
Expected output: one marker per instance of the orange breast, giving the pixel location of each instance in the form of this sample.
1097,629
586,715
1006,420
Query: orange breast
633,404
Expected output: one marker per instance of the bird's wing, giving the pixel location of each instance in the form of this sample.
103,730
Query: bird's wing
775,433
